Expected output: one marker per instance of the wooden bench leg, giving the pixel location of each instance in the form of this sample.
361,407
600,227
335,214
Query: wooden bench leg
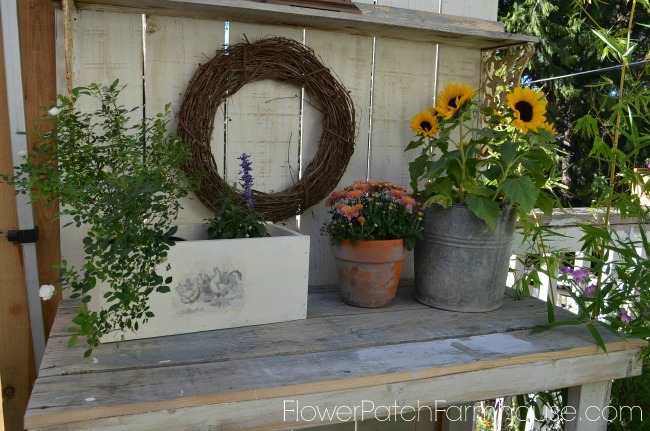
588,402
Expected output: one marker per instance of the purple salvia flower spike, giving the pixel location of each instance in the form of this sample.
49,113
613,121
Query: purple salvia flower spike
246,179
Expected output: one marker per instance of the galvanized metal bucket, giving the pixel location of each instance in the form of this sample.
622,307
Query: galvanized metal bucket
462,264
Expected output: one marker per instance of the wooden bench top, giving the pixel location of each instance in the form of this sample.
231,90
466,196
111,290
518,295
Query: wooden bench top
251,377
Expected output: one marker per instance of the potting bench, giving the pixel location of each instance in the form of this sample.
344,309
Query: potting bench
342,361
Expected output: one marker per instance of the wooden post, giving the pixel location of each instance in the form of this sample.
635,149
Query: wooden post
17,371
589,402
16,359
38,56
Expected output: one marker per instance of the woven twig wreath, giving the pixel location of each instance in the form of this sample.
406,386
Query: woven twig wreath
270,58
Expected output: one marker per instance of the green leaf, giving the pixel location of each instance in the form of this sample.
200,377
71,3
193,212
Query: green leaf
597,337
550,311
545,203
443,186
484,208
442,200
508,151
163,289
413,145
521,191
610,42
436,168
72,341
587,126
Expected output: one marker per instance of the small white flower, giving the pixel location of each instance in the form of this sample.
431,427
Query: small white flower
54,111
22,154
107,169
46,291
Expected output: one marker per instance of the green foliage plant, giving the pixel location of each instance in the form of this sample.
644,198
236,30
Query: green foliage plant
619,294
119,179
611,293
373,210
509,160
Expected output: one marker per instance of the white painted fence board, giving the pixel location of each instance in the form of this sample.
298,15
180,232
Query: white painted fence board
403,86
106,46
350,59
482,9
423,5
175,47
264,120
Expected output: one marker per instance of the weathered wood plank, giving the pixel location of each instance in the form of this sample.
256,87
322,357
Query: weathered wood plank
382,21
460,369
335,330
175,47
350,59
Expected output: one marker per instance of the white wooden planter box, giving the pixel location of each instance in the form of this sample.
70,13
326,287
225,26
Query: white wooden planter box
228,283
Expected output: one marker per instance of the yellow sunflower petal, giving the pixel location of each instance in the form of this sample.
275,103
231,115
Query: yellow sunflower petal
425,124
452,98
528,108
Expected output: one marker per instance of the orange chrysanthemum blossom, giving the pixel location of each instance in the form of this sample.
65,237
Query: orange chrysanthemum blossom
355,194
348,212
528,108
408,201
452,98
424,124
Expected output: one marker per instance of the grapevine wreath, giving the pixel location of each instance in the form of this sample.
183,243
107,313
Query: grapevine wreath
283,60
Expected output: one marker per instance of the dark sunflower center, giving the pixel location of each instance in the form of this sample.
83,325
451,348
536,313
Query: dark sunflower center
525,110
425,125
453,102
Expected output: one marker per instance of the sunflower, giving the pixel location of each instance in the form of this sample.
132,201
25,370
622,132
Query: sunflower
549,127
425,124
528,108
452,97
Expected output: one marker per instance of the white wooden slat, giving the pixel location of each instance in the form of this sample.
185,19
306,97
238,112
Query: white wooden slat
590,402
264,121
350,59
106,46
404,76
424,5
175,47
482,9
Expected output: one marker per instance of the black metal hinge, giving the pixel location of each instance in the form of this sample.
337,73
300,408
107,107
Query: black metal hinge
21,236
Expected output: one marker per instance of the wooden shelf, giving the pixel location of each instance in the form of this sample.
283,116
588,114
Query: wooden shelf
373,21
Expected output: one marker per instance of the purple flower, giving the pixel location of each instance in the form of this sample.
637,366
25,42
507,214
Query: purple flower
580,275
647,164
246,179
625,317
590,291
566,270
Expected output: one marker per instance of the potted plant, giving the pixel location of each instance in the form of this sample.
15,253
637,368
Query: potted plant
472,182
372,230
234,270
119,180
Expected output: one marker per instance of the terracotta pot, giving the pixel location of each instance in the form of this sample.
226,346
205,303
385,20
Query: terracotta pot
369,271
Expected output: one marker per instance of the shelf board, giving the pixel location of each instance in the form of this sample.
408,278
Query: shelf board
378,21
